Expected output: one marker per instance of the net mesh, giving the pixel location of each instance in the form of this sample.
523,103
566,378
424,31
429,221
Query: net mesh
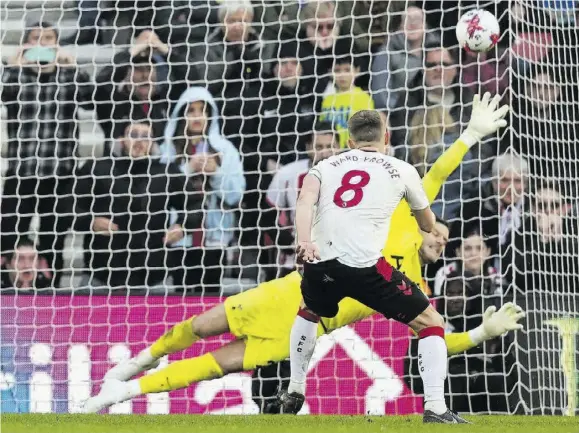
151,165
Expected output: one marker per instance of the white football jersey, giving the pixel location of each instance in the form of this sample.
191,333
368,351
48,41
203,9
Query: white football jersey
284,189
358,194
282,194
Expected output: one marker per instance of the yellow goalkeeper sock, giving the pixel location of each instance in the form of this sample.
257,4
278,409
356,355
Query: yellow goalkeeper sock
181,374
177,338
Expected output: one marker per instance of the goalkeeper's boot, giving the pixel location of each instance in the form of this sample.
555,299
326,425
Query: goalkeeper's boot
112,392
290,403
131,367
448,417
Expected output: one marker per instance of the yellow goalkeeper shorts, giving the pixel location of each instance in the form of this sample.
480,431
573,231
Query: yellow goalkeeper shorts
263,317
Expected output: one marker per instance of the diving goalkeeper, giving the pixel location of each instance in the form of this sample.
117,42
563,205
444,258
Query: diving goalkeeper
261,318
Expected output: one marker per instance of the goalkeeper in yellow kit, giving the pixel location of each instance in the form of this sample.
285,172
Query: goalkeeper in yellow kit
261,318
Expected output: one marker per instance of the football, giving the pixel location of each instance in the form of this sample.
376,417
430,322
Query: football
478,31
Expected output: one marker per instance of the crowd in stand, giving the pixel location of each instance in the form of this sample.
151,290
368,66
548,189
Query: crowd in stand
216,111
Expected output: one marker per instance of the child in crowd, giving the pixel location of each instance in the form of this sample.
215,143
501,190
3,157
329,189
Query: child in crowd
348,99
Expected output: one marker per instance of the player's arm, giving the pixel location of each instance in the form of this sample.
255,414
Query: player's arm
486,119
307,199
495,323
418,201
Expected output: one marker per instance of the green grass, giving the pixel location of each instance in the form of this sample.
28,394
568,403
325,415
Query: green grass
36,423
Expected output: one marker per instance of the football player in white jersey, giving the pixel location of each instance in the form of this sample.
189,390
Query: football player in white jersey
342,222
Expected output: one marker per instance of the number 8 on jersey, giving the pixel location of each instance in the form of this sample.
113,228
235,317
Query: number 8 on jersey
359,190
347,186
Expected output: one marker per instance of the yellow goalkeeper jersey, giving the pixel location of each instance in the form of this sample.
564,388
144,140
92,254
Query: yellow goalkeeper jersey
404,240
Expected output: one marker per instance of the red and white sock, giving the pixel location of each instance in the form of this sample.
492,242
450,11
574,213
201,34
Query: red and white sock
432,364
302,343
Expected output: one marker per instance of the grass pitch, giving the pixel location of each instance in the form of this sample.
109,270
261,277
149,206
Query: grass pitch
36,423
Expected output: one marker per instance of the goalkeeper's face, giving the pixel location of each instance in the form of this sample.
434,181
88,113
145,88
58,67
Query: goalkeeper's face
433,243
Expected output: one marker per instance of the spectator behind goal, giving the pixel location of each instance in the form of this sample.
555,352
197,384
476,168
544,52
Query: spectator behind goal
122,203
400,59
24,271
545,245
500,205
139,83
288,114
42,92
283,191
194,142
337,108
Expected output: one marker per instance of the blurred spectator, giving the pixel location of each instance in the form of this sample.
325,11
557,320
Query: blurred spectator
24,270
95,16
398,61
185,22
194,142
432,131
288,114
42,92
545,245
338,107
320,42
436,85
471,264
90,20
141,81
230,62
545,122
486,72
368,21
285,186
123,205
500,205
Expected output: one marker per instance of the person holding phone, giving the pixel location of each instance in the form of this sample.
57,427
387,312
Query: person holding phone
42,92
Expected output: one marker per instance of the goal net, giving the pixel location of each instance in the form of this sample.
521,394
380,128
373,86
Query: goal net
152,153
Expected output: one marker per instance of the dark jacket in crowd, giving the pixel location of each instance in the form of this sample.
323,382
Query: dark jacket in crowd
180,22
42,116
114,98
317,64
545,265
286,122
137,196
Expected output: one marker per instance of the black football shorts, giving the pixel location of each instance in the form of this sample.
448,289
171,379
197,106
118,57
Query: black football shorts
380,287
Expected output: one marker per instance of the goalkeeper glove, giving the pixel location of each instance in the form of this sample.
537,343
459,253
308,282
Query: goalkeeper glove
485,118
496,323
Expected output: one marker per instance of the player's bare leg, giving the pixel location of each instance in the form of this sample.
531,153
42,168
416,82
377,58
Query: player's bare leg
225,360
432,363
179,337
303,338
